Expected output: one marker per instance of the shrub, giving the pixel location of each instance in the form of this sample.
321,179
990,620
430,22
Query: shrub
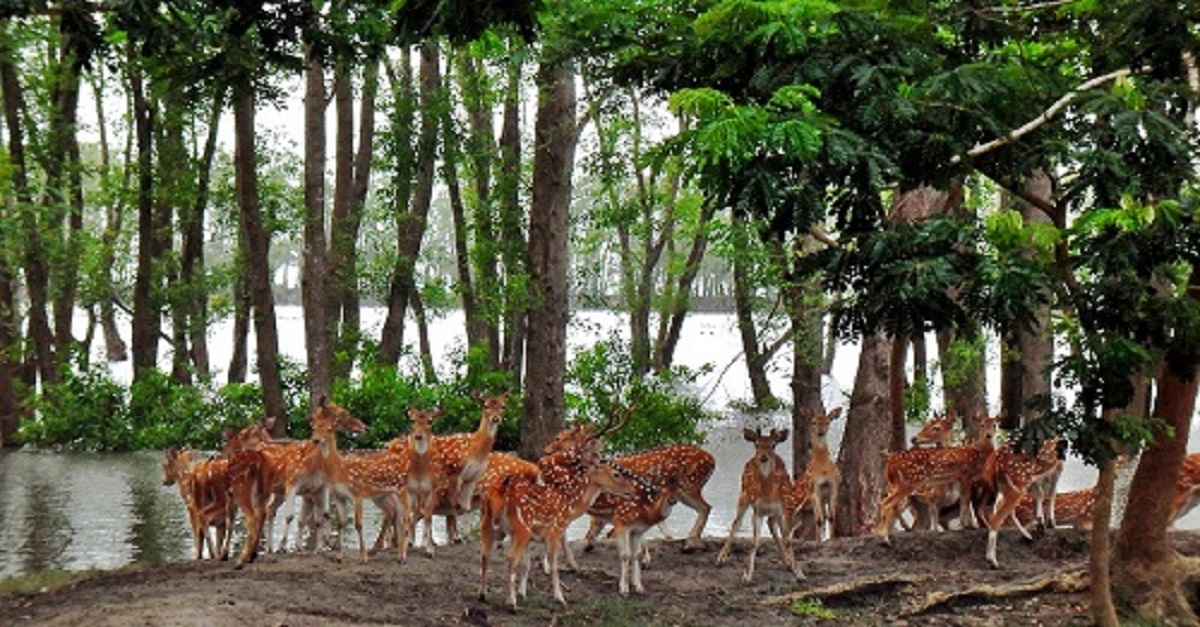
602,384
83,410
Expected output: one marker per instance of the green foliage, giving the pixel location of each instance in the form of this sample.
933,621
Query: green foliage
813,608
917,400
84,410
164,413
602,386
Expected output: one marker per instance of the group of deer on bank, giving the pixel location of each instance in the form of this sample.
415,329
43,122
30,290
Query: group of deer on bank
422,475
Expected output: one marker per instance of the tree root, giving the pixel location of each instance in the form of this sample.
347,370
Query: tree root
1067,582
856,586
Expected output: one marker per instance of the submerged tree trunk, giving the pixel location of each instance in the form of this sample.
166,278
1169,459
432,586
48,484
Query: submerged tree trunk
553,165
868,427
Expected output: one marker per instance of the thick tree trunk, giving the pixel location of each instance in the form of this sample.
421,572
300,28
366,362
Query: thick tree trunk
257,258
553,165
866,438
146,317
64,188
411,224
1147,572
315,282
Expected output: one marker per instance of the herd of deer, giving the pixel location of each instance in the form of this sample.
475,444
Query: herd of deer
422,475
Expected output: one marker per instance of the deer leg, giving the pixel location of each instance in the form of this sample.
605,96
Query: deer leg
362,544
888,510
637,538
831,503
755,522
737,522
623,550
554,544
427,516
595,526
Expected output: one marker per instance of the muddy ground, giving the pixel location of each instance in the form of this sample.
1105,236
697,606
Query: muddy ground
857,581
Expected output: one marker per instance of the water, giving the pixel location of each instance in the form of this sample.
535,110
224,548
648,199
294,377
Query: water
78,511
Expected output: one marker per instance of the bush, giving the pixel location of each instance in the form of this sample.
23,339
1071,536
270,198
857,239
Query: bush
84,410
602,384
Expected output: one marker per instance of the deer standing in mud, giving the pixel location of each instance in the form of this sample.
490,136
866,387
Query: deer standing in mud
767,492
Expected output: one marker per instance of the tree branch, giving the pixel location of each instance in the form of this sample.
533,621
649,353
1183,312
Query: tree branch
1043,117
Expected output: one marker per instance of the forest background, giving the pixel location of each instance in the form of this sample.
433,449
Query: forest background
884,170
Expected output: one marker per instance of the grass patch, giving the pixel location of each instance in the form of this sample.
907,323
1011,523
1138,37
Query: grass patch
43,581
813,608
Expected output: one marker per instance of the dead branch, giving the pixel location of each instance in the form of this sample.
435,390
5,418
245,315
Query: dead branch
1065,582
856,586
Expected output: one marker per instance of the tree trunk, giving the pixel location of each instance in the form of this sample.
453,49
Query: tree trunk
896,386
451,153
514,251
10,360
963,375
192,263
257,258
351,302
411,224
743,305
172,162
1147,572
1025,371
241,318
64,187
665,353
553,165
146,320
114,346
866,438
807,354
315,282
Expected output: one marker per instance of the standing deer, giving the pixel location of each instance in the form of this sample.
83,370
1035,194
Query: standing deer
822,472
379,476
327,420
766,490
251,481
909,471
204,488
1010,473
418,491
631,516
475,459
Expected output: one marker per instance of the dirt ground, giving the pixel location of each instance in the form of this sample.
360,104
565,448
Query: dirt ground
856,581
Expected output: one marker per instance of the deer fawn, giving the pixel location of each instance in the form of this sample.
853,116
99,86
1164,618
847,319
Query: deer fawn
908,471
378,476
1010,473
766,490
631,516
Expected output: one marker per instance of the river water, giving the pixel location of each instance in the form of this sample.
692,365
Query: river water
79,511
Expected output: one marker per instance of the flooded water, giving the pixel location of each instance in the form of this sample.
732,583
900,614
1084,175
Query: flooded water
78,511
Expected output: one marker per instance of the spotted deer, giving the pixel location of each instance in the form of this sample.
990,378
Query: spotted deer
325,457
822,472
766,490
251,482
934,506
479,446
526,510
1009,473
907,472
1187,488
379,476
687,466
204,488
1071,508
418,494
631,516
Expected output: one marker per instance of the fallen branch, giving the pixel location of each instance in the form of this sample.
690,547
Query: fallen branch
1062,582
856,586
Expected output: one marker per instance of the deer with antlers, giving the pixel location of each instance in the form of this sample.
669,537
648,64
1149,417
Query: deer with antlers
1009,473
525,510
204,488
767,491
909,471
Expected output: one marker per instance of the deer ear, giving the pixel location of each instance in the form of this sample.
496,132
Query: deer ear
412,412
833,415
781,435
321,401
749,435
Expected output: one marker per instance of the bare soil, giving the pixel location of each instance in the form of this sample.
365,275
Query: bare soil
858,580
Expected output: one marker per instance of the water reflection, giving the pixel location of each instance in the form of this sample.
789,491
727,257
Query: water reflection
46,529
151,522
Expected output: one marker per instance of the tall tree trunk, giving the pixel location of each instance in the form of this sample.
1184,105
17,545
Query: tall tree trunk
146,320
64,184
756,358
1148,573
316,282
241,318
553,164
114,345
10,359
866,438
411,224
896,387
807,355
1025,371
451,153
257,258
173,169
192,261
351,302
514,251
665,352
